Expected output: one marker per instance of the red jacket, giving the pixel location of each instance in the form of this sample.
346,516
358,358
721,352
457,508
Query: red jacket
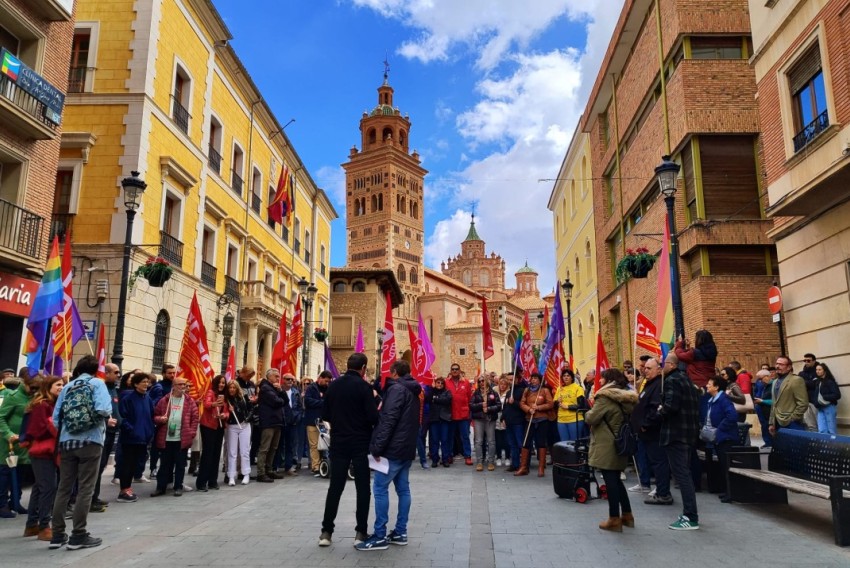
699,369
41,431
461,394
211,414
188,423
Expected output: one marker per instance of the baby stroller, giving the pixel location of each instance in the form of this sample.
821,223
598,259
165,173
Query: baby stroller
324,450
572,476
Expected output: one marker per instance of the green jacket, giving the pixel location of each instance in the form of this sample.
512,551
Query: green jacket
790,400
610,408
11,415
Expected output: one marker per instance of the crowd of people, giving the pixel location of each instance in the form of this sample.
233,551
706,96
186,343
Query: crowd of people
66,428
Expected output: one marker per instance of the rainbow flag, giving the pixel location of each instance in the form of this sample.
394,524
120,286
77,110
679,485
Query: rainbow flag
49,301
666,333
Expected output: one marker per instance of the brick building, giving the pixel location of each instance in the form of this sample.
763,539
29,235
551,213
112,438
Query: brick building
802,69
35,47
675,80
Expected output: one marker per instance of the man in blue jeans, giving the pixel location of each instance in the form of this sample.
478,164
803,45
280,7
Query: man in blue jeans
394,441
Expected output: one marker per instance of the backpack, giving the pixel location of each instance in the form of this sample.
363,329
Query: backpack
625,439
78,414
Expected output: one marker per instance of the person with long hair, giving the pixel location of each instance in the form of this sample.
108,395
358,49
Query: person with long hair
612,404
700,359
214,417
536,404
440,424
503,450
42,436
238,433
137,431
485,406
827,395
568,399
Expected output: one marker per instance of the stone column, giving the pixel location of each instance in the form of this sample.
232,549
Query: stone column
252,344
268,345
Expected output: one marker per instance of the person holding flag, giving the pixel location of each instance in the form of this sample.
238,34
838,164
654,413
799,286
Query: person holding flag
536,404
238,433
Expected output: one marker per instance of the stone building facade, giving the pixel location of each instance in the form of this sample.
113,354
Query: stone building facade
676,81
473,267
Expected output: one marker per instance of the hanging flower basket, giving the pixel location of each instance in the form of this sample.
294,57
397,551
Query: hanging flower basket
157,271
636,264
320,334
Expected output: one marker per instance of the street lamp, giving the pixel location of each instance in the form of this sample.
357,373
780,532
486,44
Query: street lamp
133,187
380,334
567,286
308,294
667,173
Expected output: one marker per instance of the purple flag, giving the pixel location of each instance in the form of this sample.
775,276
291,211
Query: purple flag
430,357
556,332
329,362
360,346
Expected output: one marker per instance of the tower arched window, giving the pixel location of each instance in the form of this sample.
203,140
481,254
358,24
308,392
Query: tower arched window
372,136
587,260
402,276
381,202
484,277
358,287
403,208
339,287
414,277
387,134
402,138
374,203
467,277
160,339
414,210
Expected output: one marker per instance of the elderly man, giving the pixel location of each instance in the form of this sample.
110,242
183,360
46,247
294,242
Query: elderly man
647,423
790,399
271,403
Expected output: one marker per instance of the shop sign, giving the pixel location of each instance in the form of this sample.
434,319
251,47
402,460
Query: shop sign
16,294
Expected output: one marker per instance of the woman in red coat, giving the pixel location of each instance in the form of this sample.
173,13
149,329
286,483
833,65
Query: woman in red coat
176,417
700,359
41,436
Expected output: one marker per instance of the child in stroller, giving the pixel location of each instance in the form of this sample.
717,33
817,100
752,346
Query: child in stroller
324,450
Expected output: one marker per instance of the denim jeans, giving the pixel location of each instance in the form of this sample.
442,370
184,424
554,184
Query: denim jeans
420,444
679,455
570,430
485,430
515,433
285,454
643,464
398,475
657,458
440,441
462,429
763,414
827,419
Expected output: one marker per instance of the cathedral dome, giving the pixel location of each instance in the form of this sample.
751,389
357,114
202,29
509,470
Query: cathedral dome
526,269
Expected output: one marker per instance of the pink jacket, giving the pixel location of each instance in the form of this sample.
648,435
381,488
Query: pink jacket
188,424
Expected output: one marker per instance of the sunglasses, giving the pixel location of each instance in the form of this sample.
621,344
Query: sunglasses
455,368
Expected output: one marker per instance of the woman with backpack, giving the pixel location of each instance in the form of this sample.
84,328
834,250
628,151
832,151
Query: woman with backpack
42,437
612,408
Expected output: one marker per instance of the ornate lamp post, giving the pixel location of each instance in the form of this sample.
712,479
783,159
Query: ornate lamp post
308,294
134,188
567,286
667,172
380,334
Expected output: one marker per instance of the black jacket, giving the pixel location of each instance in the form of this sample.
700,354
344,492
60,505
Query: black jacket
476,405
351,409
296,407
270,405
398,429
810,375
646,421
512,414
828,390
314,401
441,405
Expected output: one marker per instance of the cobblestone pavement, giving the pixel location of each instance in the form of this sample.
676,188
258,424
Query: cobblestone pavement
459,518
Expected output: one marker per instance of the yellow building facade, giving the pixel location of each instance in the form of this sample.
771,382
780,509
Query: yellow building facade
571,204
156,88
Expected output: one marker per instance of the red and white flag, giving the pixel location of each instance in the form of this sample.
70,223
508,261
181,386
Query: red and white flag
279,350
486,331
420,366
388,347
195,364
230,370
602,363
294,341
526,353
646,334
101,353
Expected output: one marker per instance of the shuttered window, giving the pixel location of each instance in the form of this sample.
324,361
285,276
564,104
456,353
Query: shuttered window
807,67
729,180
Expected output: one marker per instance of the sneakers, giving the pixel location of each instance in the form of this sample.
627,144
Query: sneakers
468,461
499,462
126,497
85,541
653,492
153,473
360,537
58,541
373,543
684,524
187,488
142,479
659,500
316,473
115,481
97,507
265,479
231,483
425,465
325,539
7,513
639,489
396,538
479,467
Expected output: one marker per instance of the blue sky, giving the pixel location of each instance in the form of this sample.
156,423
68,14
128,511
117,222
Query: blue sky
493,89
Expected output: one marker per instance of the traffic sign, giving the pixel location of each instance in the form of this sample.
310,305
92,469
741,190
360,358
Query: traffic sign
774,299
776,318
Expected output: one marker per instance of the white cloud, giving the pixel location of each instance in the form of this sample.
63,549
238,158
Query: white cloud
332,180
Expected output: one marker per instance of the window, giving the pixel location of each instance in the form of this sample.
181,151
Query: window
256,190
729,177
606,129
208,269
181,98
296,233
584,181
414,277
79,61
690,182
322,256
339,287
402,277
214,147
808,97
160,339
467,277
171,215
307,248
588,261
717,47
358,287
484,277
269,280
414,209
572,199
237,169
609,192
232,261
742,260
252,269
271,221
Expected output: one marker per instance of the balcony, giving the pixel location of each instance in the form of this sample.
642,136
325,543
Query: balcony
296,246
256,202
23,113
20,230
208,274
180,116
341,340
214,159
231,286
811,131
77,79
236,183
61,225
171,249
256,295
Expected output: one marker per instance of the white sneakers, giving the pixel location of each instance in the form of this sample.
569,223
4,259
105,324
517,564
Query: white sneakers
245,479
231,483
639,489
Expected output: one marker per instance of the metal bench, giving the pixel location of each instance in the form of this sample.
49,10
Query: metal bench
711,468
801,462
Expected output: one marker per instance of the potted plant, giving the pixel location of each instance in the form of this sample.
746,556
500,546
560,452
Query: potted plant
636,264
157,271
320,334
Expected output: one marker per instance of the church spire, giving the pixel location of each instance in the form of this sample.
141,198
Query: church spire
473,234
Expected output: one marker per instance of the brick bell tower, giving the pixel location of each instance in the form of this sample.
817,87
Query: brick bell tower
384,199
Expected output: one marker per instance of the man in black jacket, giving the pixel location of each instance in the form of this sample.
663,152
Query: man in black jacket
271,403
394,441
351,410
314,402
646,421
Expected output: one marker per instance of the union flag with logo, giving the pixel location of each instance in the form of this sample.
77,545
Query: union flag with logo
195,364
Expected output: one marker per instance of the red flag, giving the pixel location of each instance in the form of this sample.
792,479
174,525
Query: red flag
526,353
195,364
101,353
544,327
293,342
602,363
420,367
279,351
645,334
487,332
282,204
230,370
388,347
552,376
67,326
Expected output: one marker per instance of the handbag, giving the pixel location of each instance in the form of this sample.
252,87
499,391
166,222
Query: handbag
708,433
747,407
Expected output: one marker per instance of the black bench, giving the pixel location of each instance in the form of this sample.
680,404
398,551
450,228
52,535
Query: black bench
711,468
802,462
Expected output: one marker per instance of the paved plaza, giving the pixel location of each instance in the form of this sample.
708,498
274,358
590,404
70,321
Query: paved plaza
459,518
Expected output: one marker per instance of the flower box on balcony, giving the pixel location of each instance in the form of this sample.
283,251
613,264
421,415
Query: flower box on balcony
157,271
320,334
